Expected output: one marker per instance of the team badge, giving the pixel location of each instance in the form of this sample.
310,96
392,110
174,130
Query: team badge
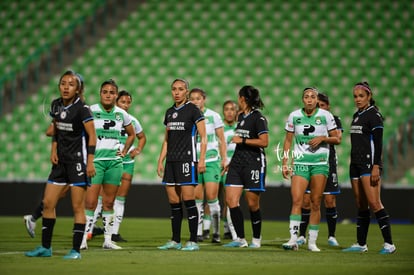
174,115
242,123
356,119
118,117
63,115
318,121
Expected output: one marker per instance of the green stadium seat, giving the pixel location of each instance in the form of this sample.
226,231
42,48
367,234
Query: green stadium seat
219,46
32,24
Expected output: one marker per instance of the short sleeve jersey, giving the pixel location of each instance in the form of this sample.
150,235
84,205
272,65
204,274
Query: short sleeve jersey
249,126
213,121
138,129
228,135
333,160
362,126
306,128
70,134
181,124
109,127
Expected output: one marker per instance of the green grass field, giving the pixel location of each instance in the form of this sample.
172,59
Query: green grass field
141,256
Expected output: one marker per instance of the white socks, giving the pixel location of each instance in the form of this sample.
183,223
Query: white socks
294,230
215,215
107,220
119,208
200,208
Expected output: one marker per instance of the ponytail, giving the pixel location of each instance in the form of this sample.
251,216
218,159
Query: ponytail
252,96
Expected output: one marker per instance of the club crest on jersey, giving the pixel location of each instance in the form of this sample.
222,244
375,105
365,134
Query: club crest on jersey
118,117
356,119
63,115
242,123
174,115
318,121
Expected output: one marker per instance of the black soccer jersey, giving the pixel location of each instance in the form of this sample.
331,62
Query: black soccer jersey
249,126
333,161
182,132
362,127
70,132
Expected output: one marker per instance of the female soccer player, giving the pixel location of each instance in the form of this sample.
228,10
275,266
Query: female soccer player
30,220
110,122
183,121
247,169
124,101
331,189
230,123
314,130
72,157
216,159
365,169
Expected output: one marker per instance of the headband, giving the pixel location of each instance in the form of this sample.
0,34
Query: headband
312,89
365,88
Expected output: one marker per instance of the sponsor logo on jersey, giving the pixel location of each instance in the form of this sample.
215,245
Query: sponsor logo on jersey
318,121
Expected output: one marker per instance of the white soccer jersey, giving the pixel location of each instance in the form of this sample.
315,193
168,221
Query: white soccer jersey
138,129
228,135
306,128
109,127
213,121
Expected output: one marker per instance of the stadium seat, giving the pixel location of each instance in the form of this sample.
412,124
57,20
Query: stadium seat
32,24
220,46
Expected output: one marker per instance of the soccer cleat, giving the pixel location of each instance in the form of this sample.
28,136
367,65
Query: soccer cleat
301,240
89,236
216,238
72,255
313,248
39,251
332,241
356,248
111,245
388,249
170,245
30,225
237,243
256,243
117,238
290,246
206,234
97,231
200,238
190,246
